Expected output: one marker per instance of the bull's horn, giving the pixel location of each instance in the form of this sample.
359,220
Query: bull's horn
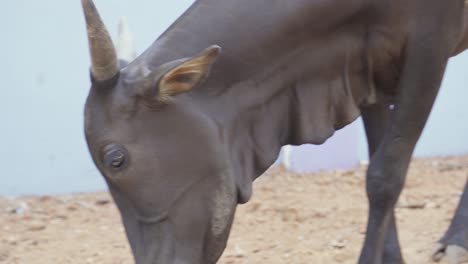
103,55
125,46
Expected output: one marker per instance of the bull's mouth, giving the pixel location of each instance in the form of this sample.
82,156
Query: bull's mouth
151,220
153,237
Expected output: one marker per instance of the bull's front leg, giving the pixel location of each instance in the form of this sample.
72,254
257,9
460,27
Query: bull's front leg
424,62
376,118
454,244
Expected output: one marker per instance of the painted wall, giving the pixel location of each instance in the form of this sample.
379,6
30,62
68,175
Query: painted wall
340,151
44,86
45,82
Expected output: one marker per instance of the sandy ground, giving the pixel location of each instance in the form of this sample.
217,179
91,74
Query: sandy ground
292,218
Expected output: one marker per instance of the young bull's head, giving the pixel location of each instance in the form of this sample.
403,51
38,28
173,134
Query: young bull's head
160,154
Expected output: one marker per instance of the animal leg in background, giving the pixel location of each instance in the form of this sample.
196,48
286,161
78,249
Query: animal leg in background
454,244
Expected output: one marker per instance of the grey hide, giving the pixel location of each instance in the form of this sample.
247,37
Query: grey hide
181,132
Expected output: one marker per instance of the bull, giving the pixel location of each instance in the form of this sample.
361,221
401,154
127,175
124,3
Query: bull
182,131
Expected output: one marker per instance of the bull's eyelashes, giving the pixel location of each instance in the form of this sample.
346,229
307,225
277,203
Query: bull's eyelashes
115,156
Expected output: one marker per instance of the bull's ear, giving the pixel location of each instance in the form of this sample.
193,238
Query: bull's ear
189,73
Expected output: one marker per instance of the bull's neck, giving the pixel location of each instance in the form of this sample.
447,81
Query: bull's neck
251,33
269,59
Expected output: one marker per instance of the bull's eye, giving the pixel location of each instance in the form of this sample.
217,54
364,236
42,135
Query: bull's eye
114,156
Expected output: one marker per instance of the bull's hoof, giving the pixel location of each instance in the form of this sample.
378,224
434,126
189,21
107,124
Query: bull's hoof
454,254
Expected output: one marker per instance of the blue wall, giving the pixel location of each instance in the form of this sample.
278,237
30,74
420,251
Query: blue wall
44,85
45,82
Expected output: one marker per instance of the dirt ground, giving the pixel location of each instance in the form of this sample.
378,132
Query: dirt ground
292,218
